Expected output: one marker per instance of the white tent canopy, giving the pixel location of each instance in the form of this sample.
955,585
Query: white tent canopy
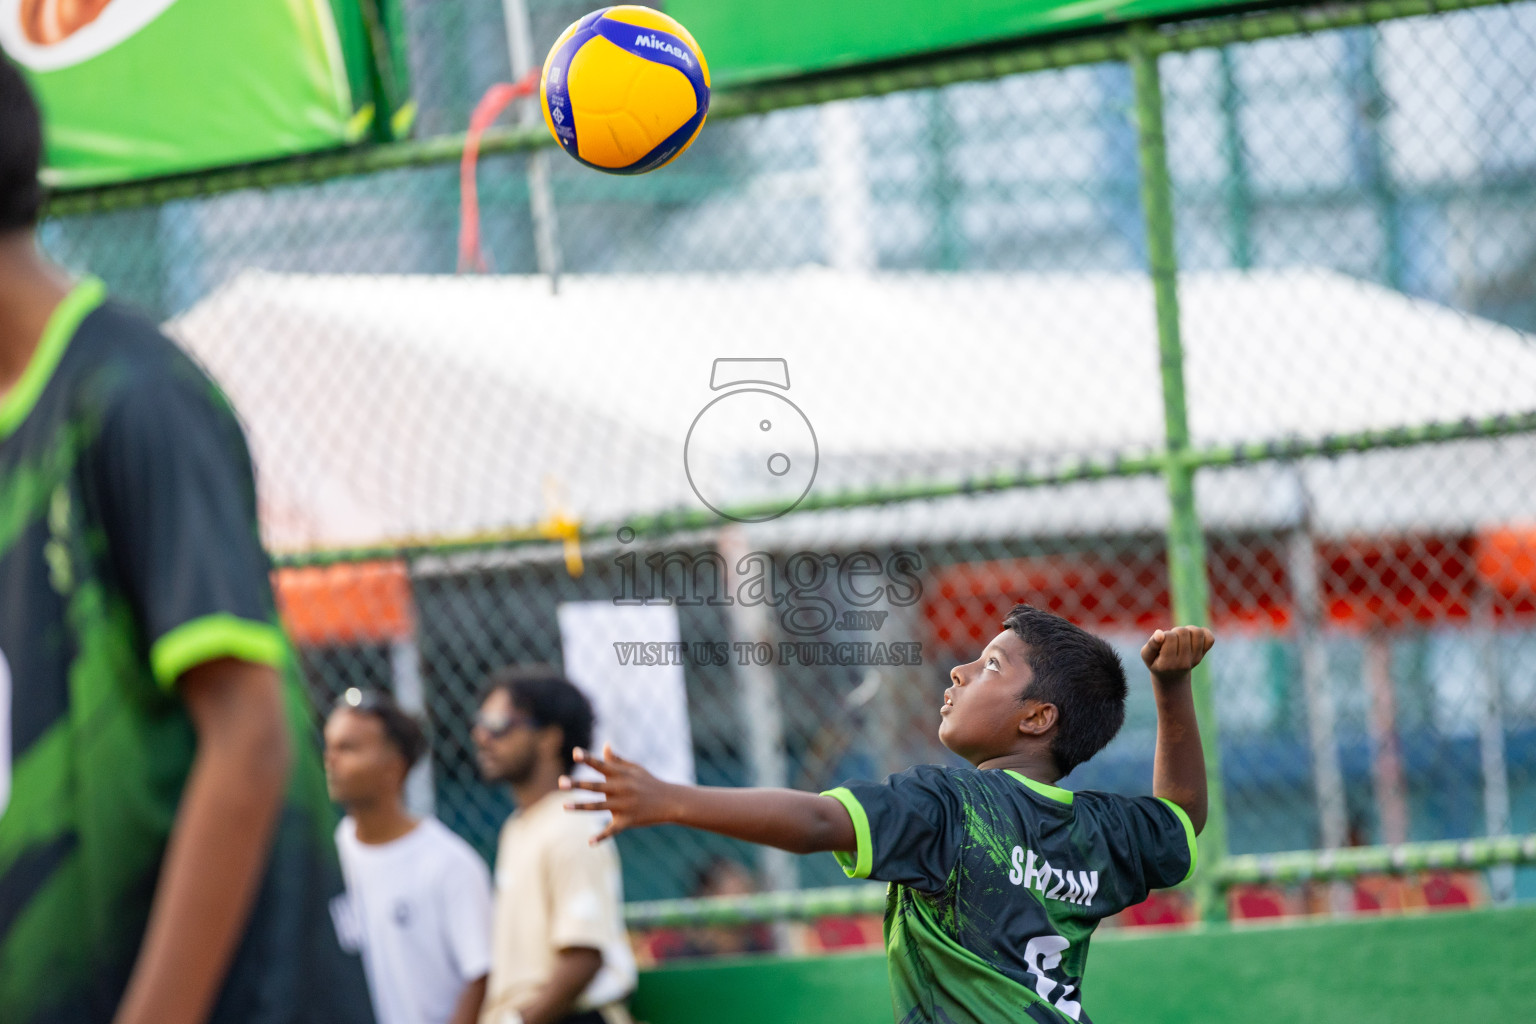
383,408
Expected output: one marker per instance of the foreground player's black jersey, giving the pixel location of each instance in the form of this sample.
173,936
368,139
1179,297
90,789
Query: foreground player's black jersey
129,554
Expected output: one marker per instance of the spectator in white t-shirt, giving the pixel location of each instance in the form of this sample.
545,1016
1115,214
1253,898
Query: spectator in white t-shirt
418,903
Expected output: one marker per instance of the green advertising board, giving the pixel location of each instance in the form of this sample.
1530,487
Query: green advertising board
143,88
749,41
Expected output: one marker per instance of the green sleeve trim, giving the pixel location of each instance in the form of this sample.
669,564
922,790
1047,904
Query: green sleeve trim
1189,834
859,865
62,324
215,636
1061,796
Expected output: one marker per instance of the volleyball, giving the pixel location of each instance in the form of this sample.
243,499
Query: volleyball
625,90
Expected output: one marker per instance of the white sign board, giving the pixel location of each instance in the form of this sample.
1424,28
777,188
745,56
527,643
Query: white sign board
641,709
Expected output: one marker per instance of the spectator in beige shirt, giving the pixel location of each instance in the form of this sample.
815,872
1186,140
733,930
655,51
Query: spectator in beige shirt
559,954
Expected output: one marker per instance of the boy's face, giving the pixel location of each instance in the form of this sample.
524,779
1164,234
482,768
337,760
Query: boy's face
360,764
981,713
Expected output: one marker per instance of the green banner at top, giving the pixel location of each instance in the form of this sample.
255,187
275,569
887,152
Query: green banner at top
142,88
747,41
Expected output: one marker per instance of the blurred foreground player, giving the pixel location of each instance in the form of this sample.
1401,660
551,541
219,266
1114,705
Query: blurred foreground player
560,954
998,877
165,842
419,896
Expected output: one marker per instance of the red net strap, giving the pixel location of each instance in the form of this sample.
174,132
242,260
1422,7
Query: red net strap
496,99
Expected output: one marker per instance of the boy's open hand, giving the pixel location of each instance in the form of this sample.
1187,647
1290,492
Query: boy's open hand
1171,653
631,794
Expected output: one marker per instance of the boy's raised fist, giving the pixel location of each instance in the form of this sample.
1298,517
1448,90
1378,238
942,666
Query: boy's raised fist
1173,652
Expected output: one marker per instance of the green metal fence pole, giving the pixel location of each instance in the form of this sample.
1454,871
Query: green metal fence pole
1186,541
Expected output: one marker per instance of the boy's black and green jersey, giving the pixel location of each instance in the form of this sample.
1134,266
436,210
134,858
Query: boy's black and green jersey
997,883
129,554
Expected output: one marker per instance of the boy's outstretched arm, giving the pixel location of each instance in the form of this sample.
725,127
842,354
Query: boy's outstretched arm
785,818
1178,767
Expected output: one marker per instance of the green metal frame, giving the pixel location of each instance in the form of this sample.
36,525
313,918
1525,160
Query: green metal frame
1249,869
1178,462
798,905
1187,572
1357,861
686,520
926,73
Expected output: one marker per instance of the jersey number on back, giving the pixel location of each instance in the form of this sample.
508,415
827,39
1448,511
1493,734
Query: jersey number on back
1044,954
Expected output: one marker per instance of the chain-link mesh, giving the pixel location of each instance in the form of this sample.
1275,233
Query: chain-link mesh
957,280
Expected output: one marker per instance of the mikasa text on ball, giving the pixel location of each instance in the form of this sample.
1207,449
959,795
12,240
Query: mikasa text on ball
625,90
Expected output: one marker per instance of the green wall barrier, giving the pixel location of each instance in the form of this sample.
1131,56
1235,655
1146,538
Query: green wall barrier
1465,966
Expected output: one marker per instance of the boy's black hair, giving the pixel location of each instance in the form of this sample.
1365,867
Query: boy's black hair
21,151
546,696
401,730
1080,674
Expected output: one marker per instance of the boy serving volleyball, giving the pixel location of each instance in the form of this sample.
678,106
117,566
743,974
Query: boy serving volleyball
998,878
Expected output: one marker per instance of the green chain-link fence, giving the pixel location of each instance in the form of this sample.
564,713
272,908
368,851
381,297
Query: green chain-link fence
1324,438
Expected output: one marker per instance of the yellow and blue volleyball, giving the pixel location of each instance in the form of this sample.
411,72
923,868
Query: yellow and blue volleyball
625,90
